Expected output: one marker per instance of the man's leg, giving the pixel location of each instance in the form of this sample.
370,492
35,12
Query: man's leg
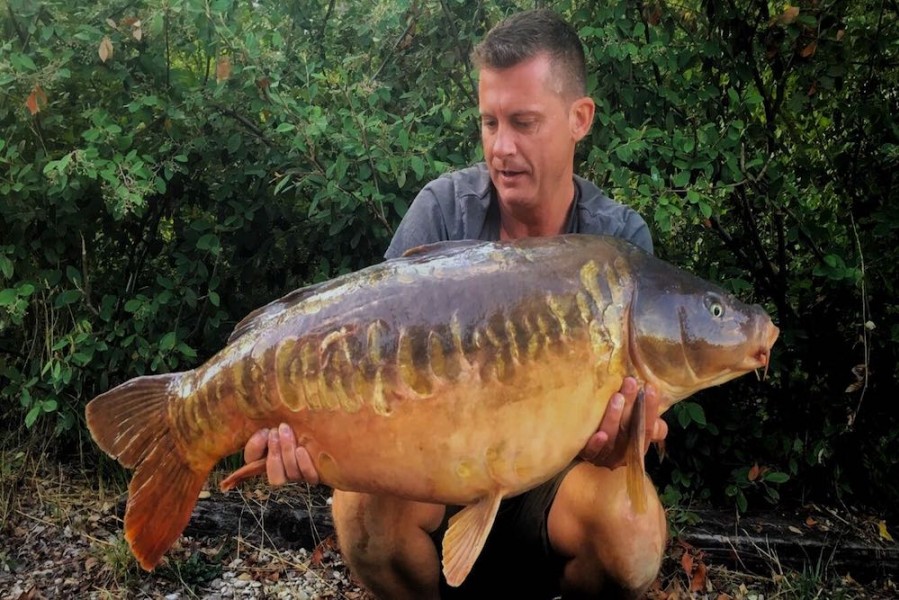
386,543
612,550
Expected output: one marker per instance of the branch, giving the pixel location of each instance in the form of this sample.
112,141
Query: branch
321,32
396,45
470,93
252,127
23,38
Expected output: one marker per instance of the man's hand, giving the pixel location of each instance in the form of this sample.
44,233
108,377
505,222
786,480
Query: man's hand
608,446
284,461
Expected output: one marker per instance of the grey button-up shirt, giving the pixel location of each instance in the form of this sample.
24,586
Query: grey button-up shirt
462,205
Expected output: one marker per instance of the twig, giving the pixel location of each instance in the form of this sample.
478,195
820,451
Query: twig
861,260
321,32
396,45
470,93
258,133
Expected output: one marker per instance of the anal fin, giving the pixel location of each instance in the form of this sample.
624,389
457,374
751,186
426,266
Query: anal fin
465,537
636,469
248,471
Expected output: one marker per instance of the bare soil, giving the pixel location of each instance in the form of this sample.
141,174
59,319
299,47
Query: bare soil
62,538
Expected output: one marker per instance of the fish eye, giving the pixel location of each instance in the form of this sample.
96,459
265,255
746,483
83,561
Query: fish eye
716,308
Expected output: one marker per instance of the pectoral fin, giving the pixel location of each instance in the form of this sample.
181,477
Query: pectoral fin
636,470
465,537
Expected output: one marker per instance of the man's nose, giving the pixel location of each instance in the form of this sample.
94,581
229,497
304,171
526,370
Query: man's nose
504,141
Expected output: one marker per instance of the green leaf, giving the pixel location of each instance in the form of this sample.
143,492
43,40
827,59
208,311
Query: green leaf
67,297
418,166
8,296
186,350
168,341
50,405
234,142
776,477
6,267
32,415
214,298
208,241
697,414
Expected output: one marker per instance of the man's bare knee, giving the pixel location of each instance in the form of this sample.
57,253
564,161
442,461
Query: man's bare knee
386,544
612,549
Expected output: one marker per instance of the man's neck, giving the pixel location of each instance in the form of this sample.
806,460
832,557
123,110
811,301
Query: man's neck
546,219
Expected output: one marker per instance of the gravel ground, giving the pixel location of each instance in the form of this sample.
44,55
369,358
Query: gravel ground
61,537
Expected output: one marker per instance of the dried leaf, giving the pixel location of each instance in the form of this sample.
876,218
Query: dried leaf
854,387
136,31
697,582
795,530
36,100
329,543
810,522
105,50
789,15
884,533
686,561
204,494
129,21
809,50
111,23
223,69
753,473
840,34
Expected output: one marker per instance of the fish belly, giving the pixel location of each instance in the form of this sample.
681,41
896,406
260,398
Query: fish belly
462,443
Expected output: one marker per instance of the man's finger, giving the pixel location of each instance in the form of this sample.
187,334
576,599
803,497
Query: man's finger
256,446
660,431
611,421
274,466
307,469
288,444
596,445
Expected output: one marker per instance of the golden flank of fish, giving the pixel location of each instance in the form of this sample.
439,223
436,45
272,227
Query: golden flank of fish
460,373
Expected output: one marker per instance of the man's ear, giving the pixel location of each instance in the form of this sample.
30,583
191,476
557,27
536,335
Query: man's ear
580,117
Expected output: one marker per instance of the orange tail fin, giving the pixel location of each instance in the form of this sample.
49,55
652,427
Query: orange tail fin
131,424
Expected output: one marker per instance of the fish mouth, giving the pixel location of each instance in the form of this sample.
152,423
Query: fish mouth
761,359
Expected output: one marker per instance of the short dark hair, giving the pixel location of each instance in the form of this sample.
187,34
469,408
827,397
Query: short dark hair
527,34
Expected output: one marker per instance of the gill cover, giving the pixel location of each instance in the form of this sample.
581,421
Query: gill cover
687,333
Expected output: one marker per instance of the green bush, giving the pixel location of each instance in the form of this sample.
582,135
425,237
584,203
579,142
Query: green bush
166,167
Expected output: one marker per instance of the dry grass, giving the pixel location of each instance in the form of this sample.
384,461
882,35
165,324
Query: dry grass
62,536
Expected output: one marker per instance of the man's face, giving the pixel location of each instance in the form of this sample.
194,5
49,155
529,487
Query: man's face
529,130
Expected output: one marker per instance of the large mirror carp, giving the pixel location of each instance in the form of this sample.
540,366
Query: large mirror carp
460,373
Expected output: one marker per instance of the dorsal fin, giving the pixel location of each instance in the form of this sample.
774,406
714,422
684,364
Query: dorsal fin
436,247
272,309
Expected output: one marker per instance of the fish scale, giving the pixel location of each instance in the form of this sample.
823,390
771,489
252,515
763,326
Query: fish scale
460,373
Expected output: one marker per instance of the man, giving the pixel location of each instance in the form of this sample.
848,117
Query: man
575,534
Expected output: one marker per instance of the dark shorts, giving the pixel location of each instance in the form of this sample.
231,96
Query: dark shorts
517,560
